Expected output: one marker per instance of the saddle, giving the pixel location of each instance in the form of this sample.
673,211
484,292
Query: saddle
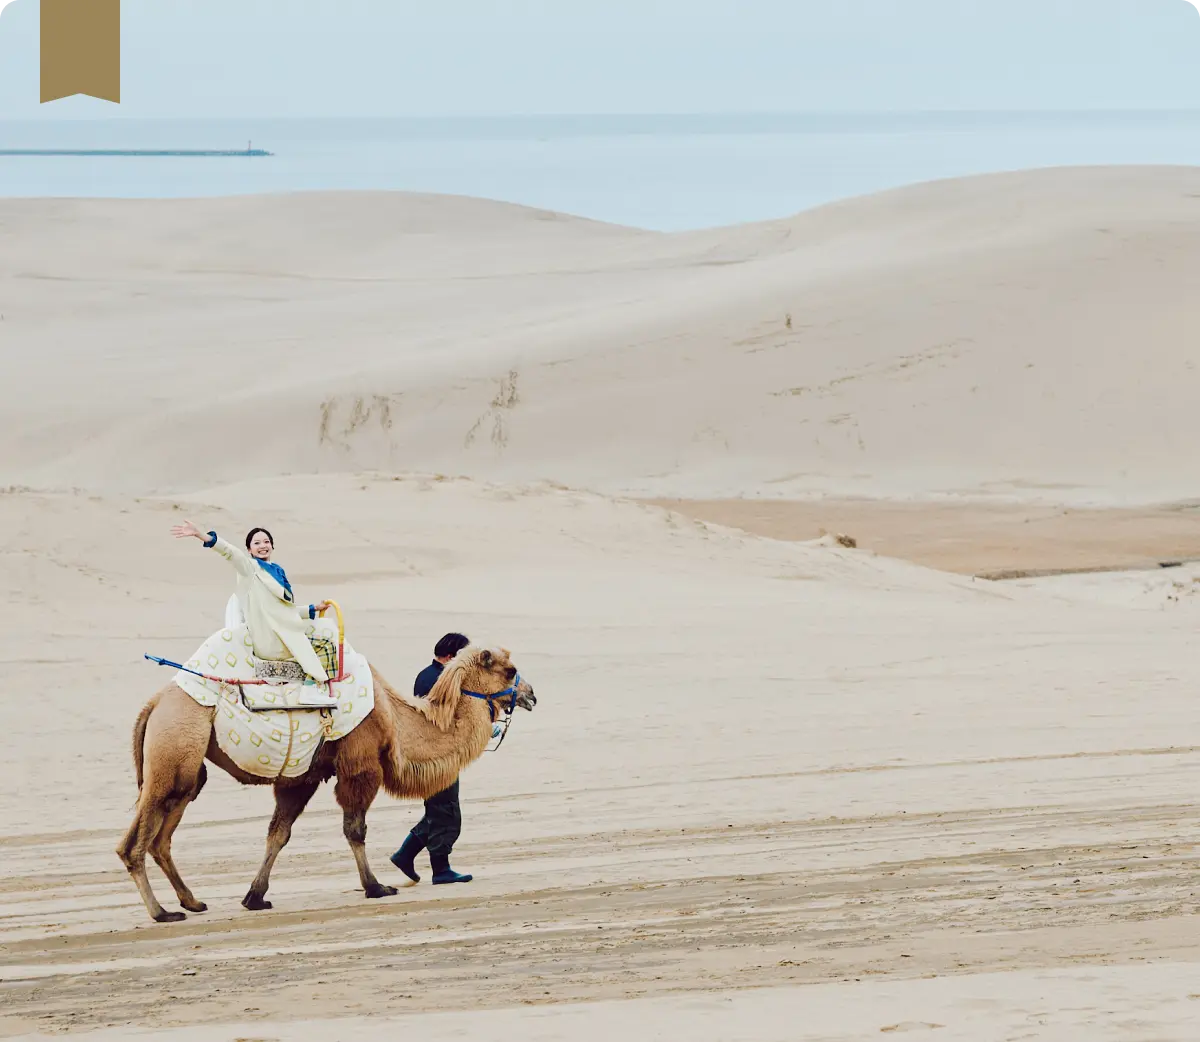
288,686
272,725
289,670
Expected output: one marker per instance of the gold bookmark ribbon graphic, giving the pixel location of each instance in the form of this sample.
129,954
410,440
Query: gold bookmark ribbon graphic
81,49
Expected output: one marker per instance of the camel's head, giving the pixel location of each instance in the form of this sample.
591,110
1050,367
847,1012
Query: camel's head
490,671
484,673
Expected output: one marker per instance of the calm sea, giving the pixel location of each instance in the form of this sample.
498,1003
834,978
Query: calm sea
659,172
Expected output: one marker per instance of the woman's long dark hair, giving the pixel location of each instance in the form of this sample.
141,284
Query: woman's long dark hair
254,531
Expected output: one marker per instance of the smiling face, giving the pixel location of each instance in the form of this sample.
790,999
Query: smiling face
260,546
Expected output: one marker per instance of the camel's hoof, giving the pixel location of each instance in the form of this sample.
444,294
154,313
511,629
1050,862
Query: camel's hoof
379,890
169,917
255,903
195,906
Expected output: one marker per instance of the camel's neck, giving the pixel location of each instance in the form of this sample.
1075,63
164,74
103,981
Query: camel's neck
427,760
421,739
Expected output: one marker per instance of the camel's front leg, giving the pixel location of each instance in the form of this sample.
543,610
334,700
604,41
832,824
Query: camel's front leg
290,801
355,795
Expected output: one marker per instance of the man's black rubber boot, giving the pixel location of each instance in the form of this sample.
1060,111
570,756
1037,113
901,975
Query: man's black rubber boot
404,858
442,872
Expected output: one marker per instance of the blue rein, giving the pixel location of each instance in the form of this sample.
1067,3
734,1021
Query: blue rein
491,700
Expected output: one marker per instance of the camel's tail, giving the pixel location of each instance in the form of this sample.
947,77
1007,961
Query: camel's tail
139,739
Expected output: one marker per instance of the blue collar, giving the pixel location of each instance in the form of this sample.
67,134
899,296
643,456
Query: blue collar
279,575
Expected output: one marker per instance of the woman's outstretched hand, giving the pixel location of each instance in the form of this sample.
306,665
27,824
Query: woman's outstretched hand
187,531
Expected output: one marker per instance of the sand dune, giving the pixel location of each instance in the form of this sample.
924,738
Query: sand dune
1022,335
765,775
752,763
996,540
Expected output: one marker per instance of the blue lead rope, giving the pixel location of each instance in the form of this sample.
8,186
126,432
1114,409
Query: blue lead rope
491,700
175,665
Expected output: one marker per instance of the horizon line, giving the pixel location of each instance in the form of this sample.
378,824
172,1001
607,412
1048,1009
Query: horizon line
707,114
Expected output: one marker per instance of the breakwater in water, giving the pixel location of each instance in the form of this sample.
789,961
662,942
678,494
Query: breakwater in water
188,152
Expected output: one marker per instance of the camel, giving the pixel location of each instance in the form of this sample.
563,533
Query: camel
411,748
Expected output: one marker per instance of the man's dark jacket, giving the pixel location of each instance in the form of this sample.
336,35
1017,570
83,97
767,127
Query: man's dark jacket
427,678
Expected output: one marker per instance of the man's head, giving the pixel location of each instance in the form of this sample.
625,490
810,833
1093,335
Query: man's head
449,646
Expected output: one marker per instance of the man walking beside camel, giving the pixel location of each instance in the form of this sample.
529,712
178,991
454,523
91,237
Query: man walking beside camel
439,829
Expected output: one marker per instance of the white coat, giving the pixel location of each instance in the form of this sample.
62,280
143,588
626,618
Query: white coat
276,626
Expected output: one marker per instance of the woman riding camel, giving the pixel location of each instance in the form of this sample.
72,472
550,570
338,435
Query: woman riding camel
275,624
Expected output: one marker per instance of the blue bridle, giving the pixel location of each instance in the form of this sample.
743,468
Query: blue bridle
493,699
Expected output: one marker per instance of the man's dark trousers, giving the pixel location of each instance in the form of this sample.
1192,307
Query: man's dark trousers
440,827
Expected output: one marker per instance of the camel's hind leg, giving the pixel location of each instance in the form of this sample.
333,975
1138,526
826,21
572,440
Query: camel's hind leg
355,795
147,821
160,848
290,801
169,745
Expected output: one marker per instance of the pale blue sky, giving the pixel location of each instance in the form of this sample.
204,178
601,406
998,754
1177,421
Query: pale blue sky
220,58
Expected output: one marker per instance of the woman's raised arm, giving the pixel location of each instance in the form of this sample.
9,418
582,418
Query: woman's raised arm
188,531
241,561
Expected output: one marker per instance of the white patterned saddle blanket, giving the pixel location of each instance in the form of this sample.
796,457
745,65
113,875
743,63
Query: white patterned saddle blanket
274,731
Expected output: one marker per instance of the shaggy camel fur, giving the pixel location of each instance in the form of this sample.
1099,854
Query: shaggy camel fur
411,748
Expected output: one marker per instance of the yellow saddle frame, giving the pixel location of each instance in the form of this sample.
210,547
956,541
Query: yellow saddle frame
341,674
